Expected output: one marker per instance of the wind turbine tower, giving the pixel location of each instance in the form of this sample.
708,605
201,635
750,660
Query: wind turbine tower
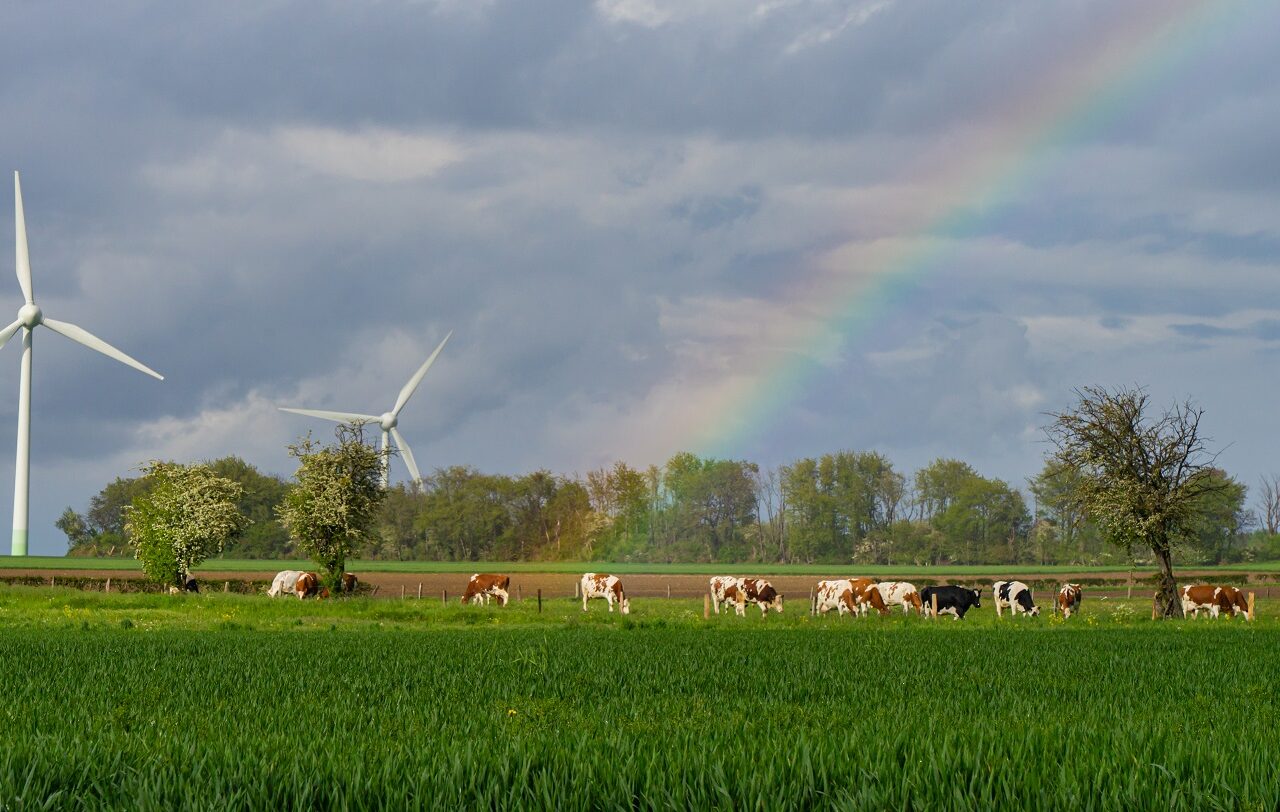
387,421
30,316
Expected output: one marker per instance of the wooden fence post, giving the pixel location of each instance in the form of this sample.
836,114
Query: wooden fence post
1250,606
706,606
539,600
519,594
226,586
107,588
419,590
1155,603
50,580
576,586
668,591
444,597
402,592
1129,593
933,599
813,603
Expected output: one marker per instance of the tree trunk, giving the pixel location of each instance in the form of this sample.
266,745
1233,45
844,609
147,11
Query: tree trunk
1167,601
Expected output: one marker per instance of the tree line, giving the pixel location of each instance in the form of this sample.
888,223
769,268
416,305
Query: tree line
845,507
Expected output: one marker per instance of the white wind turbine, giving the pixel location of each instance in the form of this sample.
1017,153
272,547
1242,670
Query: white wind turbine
387,420
31,316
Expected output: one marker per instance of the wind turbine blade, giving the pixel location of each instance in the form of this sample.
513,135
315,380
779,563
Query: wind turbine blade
83,336
20,227
7,333
338,417
417,378
408,455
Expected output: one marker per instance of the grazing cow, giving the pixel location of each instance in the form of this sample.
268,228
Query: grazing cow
727,590
1214,600
954,599
284,583
866,595
836,595
349,583
608,587
900,593
188,585
484,585
307,585
1014,596
1069,598
762,594
1238,601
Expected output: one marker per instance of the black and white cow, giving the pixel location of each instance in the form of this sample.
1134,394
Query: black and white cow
954,599
1014,596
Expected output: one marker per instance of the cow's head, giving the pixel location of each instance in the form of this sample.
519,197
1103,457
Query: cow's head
913,598
776,604
626,605
977,598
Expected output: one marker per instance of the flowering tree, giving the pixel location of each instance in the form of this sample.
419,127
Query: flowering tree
1144,478
187,515
331,511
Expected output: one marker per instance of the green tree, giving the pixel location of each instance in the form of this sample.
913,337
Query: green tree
466,515
1220,519
76,530
1141,476
332,510
264,536
712,501
1065,531
186,515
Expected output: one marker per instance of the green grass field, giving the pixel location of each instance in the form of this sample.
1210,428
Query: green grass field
217,701
620,568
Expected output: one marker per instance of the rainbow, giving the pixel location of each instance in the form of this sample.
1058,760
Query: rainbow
846,295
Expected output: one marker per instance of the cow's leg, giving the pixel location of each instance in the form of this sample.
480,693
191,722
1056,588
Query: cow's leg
715,602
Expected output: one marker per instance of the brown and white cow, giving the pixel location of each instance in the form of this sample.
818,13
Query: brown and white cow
900,593
836,595
307,585
1214,600
761,593
727,590
1069,598
349,583
484,585
1238,600
867,596
596,585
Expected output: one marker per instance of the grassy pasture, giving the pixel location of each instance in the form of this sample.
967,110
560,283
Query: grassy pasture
216,701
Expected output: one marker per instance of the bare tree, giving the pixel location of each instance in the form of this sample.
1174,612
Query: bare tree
1140,476
1271,504
770,536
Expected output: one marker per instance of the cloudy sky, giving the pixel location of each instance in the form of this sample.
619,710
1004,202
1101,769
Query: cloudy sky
637,216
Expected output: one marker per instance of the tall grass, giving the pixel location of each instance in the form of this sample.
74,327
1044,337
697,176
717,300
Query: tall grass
631,713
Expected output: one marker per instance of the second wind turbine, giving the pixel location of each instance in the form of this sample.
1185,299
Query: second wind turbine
386,421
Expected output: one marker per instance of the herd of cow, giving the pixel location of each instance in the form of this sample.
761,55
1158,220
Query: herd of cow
853,596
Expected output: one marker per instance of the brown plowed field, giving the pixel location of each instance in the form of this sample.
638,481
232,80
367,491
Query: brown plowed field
561,585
